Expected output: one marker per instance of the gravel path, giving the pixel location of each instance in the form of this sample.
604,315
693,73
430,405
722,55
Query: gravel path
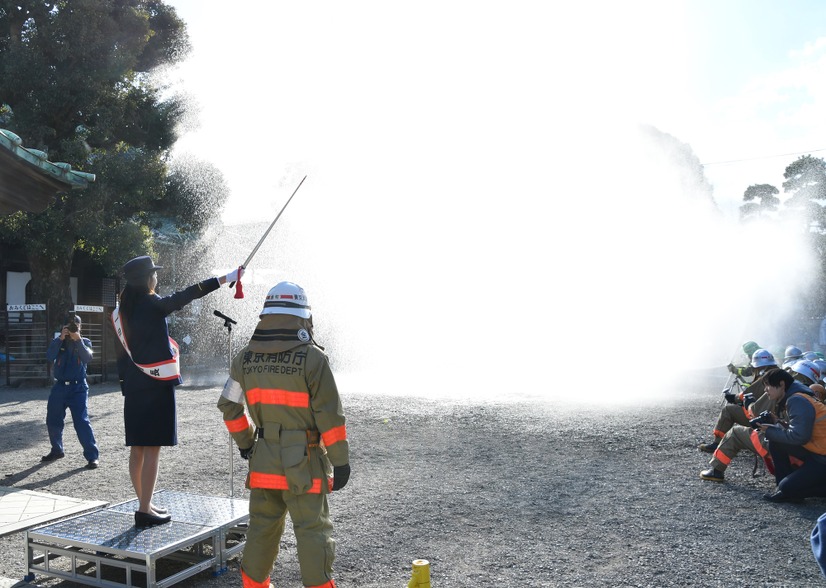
510,494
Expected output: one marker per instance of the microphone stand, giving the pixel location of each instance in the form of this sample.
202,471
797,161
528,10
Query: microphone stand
228,322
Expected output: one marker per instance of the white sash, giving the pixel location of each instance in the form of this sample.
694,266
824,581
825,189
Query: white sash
169,369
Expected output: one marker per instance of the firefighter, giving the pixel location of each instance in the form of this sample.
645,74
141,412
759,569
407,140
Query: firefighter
741,437
294,438
791,356
738,438
749,348
736,411
801,435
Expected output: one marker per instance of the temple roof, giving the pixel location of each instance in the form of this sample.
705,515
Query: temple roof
28,181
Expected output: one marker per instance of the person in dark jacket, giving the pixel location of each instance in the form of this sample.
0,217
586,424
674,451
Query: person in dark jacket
802,435
149,371
70,352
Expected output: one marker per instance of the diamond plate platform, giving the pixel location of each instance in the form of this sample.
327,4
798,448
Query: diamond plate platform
24,508
104,548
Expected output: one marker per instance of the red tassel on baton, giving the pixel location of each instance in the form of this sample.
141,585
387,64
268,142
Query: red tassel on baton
239,291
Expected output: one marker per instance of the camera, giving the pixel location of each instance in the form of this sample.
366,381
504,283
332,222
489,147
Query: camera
730,396
764,418
72,326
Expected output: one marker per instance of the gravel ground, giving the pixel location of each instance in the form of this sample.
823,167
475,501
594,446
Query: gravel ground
511,494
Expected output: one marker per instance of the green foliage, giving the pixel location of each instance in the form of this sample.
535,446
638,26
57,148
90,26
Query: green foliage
767,201
806,181
77,83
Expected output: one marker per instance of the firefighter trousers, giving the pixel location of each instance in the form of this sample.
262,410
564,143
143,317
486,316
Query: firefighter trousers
737,439
310,516
732,414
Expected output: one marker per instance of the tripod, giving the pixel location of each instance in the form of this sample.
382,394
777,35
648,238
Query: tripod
228,322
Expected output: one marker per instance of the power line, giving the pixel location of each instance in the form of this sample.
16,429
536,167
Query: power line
763,157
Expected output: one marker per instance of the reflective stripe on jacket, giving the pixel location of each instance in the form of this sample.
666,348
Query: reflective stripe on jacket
287,394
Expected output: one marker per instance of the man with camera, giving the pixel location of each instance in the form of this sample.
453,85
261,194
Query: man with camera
748,436
70,353
801,435
736,410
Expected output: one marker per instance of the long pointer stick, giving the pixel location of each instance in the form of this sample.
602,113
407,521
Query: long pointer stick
261,240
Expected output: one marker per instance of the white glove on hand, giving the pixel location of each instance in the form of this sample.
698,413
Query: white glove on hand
234,275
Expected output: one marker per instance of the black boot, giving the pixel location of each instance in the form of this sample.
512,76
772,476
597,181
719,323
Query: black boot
708,447
713,475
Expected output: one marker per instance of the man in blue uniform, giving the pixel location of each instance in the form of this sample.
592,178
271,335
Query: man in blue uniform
70,353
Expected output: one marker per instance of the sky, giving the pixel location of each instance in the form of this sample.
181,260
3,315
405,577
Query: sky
475,180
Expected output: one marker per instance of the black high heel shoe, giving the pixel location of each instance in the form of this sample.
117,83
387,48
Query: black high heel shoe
143,519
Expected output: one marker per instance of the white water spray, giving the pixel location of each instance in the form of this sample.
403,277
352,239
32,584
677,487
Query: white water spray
485,222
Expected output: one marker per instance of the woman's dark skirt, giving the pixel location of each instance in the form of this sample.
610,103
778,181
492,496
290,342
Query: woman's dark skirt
150,418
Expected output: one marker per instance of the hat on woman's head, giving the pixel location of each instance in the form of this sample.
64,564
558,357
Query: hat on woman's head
139,268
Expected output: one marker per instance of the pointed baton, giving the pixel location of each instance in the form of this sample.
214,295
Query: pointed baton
267,232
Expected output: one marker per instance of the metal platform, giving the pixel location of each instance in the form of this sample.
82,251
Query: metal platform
104,548
20,509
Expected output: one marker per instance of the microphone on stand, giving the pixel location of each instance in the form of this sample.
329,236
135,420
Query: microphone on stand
219,314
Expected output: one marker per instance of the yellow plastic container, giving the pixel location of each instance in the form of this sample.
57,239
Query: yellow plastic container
421,574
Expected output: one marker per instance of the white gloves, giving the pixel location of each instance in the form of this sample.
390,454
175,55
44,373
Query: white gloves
234,275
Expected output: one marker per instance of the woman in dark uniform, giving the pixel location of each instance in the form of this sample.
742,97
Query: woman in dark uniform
149,372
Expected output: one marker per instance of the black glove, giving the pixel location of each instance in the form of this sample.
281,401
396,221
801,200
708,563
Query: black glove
340,476
748,399
245,453
730,396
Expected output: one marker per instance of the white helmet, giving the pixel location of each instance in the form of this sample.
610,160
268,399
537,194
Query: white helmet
792,352
808,369
762,358
287,298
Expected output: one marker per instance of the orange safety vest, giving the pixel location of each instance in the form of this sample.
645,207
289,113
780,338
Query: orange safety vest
817,443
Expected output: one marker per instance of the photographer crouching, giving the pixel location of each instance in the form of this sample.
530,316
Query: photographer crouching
70,353
802,436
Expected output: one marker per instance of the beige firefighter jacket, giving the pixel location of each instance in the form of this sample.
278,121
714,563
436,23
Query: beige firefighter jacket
294,416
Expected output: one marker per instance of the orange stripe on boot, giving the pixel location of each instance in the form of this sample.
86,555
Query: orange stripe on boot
250,583
719,434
